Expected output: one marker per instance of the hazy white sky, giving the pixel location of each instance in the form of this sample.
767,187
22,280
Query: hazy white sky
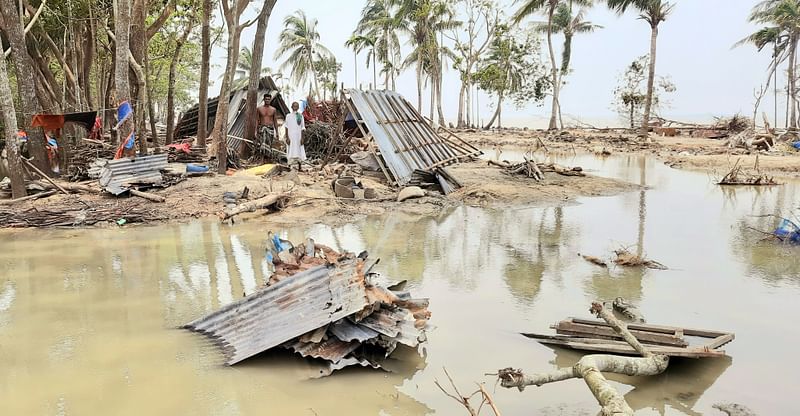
694,49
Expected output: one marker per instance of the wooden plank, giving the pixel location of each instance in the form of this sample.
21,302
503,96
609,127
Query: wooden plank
720,341
618,347
571,328
704,333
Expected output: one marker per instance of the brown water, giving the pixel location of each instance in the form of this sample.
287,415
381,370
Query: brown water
88,317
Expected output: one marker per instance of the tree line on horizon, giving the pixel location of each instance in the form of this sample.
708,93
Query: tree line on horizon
83,55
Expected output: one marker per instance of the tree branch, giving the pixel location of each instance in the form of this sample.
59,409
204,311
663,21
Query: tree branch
159,22
590,369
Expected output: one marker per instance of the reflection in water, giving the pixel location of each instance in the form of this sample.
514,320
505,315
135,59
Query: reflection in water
100,317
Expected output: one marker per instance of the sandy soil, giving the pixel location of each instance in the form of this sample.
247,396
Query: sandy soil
312,200
710,155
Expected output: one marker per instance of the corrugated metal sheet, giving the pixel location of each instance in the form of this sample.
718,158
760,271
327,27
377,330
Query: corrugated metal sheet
117,175
285,310
405,140
348,331
331,349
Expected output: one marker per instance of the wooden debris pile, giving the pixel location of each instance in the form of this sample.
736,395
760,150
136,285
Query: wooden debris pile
317,137
321,304
83,159
737,176
73,213
531,169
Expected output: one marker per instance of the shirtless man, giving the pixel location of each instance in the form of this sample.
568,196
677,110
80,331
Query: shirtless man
267,121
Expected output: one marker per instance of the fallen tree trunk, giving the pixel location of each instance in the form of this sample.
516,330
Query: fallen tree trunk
70,187
261,203
590,369
26,198
146,195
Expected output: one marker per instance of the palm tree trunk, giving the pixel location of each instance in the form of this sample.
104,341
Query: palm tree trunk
355,65
10,124
433,96
202,113
651,76
496,115
439,97
313,72
374,71
419,87
554,70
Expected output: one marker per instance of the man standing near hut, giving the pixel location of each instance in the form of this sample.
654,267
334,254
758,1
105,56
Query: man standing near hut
295,124
267,121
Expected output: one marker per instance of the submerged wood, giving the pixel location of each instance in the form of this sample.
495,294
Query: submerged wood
733,409
591,367
627,259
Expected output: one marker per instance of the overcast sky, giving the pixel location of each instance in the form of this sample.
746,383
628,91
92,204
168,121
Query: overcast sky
694,49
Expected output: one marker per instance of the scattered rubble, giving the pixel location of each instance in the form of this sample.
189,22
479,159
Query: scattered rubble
737,176
320,304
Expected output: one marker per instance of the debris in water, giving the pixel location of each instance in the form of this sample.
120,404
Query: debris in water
628,310
594,260
737,177
627,259
320,304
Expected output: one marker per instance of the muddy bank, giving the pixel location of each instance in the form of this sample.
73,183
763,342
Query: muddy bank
708,155
311,199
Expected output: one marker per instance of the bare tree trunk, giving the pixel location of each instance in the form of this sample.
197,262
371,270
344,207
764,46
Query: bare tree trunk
554,70
173,69
26,82
461,97
122,21
138,48
651,76
220,132
202,113
255,71
433,96
10,124
151,109
792,80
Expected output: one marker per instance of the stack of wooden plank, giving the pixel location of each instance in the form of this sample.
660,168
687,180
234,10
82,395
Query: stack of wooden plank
594,335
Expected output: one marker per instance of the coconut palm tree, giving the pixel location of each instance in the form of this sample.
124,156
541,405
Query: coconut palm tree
424,21
653,12
358,43
243,68
569,25
549,7
299,44
379,23
782,30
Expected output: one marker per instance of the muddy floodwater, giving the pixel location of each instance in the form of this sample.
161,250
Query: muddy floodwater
88,318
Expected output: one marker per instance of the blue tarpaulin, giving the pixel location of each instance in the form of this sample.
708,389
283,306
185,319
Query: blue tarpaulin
788,231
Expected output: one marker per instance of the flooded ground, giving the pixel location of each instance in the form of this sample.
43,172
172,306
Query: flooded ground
88,317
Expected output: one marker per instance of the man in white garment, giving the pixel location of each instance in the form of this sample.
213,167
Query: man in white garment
295,124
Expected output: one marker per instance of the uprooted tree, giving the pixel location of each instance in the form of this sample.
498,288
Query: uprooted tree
591,367
630,95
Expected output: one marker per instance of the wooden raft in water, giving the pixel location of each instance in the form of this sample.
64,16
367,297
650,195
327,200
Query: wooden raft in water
593,335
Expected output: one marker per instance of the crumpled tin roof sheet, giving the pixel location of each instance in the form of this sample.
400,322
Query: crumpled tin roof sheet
348,331
331,349
406,141
116,175
290,308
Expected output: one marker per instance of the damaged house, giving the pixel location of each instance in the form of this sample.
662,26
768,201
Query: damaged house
187,125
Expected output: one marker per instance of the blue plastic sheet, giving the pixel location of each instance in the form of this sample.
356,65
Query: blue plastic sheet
796,145
788,231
